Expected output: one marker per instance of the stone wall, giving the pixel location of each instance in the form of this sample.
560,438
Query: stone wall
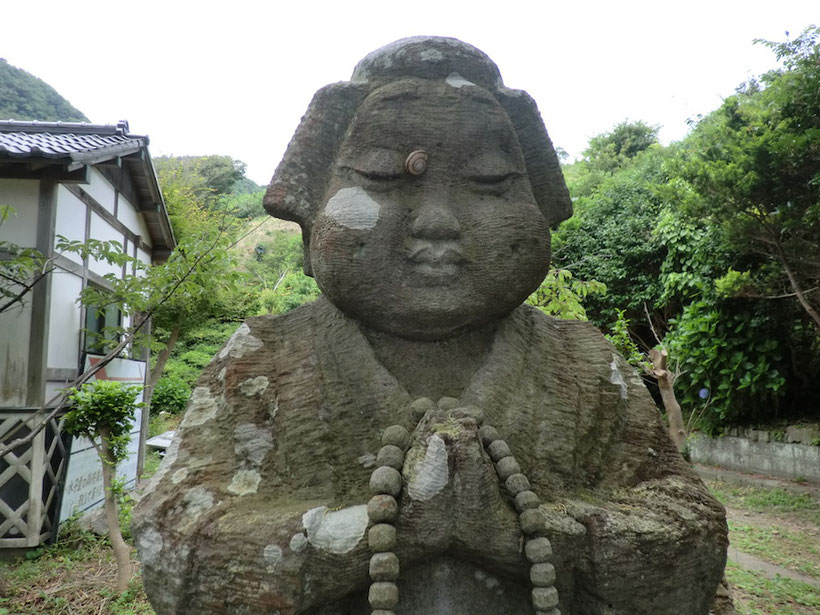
792,453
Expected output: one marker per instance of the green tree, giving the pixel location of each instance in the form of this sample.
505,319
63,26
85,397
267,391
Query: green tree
25,97
103,411
756,164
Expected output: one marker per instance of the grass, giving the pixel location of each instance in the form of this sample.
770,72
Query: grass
755,594
76,576
770,501
779,546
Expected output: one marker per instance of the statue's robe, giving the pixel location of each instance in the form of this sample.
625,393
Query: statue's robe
259,505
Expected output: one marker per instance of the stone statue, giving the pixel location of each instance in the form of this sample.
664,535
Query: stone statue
417,441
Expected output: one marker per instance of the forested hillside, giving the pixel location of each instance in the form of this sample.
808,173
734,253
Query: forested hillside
25,97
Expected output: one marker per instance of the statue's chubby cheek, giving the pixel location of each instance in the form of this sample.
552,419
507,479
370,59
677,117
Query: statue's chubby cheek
353,208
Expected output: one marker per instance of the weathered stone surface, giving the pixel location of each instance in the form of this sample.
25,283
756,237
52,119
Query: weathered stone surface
397,436
423,274
544,598
517,483
498,450
538,550
381,537
391,456
420,407
383,595
385,480
542,575
525,500
488,434
384,566
382,509
506,467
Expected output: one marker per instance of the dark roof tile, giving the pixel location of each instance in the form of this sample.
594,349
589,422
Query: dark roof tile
65,139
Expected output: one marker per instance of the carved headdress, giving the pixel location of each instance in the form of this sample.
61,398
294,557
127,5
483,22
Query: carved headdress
298,187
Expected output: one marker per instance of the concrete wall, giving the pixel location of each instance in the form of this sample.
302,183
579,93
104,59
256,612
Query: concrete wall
780,459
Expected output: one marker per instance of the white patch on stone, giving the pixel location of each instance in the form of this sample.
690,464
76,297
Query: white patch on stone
457,81
201,408
179,476
149,545
337,531
197,501
298,542
221,375
431,55
272,555
244,482
353,208
617,378
252,443
254,386
431,473
241,343
368,460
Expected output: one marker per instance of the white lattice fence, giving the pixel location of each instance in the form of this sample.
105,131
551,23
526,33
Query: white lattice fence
30,479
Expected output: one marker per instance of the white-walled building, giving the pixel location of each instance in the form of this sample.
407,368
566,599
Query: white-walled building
80,181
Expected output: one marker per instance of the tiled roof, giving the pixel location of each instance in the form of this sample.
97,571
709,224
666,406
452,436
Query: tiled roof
76,141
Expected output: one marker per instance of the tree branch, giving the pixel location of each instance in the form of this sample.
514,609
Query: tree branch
60,399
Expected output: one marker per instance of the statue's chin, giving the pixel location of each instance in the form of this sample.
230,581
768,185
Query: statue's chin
432,330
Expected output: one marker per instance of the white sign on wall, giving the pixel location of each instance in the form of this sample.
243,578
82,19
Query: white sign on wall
83,483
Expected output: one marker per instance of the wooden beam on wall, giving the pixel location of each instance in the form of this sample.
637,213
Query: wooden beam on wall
41,298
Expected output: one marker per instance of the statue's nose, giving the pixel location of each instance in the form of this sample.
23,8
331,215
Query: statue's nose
435,220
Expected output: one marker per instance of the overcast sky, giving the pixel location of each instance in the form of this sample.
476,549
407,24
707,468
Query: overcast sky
234,78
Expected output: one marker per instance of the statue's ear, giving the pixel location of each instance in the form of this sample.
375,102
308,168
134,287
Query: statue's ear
299,183
543,168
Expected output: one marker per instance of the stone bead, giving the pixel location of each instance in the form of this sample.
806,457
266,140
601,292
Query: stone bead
447,403
420,407
544,598
384,566
532,521
541,575
385,480
489,434
526,500
382,508
397,436
391,456
516,484
498,449
389,612
506,467
383,595
538,550
381,537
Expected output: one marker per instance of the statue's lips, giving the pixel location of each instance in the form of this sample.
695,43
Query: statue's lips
439,259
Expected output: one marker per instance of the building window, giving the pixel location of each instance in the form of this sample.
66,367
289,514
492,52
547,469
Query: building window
100,324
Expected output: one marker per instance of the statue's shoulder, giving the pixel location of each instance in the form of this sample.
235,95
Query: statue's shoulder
574,336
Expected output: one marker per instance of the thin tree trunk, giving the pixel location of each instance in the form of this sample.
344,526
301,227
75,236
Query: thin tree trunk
665,383
148,394
798,288
121,551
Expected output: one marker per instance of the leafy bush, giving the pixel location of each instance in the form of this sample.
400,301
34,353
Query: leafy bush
731,362
170,394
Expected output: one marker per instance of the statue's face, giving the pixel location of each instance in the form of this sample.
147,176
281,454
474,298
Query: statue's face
428,255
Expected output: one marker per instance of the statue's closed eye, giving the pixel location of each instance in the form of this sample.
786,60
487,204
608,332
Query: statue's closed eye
492,183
